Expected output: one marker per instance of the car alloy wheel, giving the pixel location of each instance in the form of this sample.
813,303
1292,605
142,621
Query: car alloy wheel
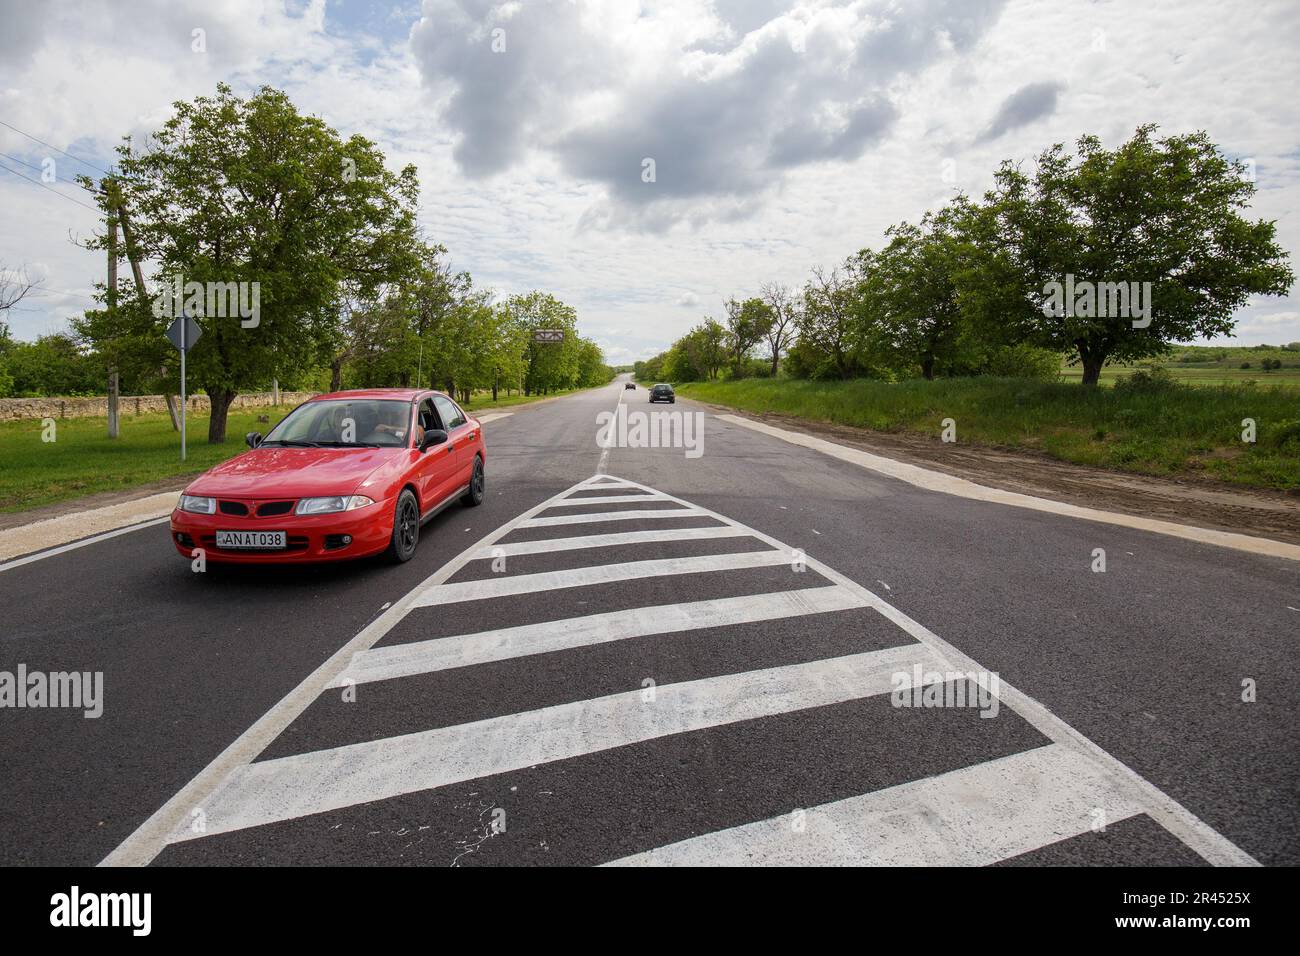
477,485
406,527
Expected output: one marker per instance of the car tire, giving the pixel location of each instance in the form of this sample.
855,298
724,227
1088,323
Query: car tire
406,528
477,485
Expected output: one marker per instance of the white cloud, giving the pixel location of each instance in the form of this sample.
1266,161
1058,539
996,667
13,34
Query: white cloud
530,159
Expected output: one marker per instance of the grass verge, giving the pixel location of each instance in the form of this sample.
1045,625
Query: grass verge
1167,430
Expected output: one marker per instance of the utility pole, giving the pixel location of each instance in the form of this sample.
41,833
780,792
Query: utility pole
112,312
115,199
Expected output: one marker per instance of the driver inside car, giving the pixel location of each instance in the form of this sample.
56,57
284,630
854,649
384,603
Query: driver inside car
391,424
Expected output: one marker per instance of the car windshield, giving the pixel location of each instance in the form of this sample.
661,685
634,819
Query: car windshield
344,422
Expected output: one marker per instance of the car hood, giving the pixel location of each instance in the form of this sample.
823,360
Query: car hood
298,472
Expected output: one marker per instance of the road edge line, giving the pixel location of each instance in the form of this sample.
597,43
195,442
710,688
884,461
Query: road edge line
964,488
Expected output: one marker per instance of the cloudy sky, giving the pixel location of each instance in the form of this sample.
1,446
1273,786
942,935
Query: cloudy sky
783,134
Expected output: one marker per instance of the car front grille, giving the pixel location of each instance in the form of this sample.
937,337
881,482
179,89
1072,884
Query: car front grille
267,509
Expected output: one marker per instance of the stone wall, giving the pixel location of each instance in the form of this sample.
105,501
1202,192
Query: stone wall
13,409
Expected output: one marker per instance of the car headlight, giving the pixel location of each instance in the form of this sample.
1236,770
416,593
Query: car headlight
198,504
331,504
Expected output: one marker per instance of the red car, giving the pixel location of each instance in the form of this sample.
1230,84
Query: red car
343,475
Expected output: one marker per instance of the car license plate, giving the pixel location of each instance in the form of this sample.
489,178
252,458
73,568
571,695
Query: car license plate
250,539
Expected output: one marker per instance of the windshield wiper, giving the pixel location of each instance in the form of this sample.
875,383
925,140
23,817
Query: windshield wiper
289,442
348,444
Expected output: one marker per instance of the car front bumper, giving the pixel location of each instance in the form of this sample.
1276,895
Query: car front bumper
309,538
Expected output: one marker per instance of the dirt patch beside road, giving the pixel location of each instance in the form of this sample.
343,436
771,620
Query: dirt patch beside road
1198,502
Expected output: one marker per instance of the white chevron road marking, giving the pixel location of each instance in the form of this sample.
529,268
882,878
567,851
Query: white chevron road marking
985,812
421,657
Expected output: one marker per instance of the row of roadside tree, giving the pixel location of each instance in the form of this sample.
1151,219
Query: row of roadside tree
1093,255
299,254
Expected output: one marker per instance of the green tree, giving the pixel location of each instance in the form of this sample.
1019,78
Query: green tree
839,331
784,306
550,365
52,365
234,190
1167,211
748,323
913,288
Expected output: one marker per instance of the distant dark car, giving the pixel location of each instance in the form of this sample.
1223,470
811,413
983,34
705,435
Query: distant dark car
663,393
629,385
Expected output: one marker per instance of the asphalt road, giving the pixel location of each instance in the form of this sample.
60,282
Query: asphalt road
709,685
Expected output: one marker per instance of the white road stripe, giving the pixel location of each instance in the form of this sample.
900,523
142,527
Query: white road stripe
501,586
970,817
550,521
445,653
289,787
546,545
605,499
95,539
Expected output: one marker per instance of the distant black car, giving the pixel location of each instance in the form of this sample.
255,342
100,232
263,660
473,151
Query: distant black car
663,393
629,385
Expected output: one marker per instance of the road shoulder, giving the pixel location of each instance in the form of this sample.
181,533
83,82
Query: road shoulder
1247,519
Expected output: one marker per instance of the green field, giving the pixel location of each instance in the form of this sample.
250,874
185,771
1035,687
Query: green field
83,460
1212,365
1166,429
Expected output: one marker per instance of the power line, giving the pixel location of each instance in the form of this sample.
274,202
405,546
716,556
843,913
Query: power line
15,159
38,169
56,149
51,189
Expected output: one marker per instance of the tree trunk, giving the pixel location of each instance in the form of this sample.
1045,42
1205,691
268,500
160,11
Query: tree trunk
1092,363
776,361
336,375
220,399
927,367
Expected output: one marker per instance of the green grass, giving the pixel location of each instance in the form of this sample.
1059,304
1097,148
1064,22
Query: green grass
1199,375
481,401
83,460
1211,365
1172,430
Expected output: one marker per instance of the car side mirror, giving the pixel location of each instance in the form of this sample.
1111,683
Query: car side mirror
254,439
432,436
